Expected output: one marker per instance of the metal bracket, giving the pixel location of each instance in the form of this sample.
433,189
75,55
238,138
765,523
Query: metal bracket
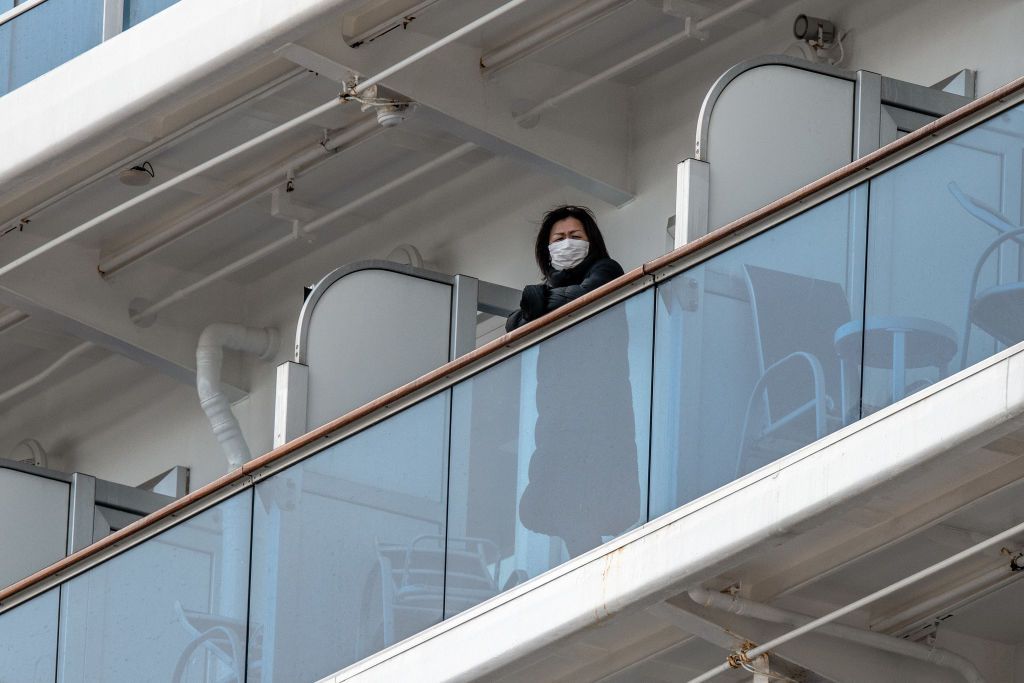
693,178
290,405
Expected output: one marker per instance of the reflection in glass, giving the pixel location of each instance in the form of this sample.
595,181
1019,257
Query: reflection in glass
748,366
170,609
945,285
348,547
28,640
549,453
140,10
45,37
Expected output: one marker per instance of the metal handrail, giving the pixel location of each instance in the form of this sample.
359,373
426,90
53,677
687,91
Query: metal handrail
530,334
12,14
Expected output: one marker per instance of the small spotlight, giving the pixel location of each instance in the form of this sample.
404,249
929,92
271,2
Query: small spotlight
390,115
137,176
814,30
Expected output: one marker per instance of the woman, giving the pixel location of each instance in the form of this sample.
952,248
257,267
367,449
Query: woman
571,255
583,481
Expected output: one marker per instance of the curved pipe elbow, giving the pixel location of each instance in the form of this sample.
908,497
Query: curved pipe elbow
209,359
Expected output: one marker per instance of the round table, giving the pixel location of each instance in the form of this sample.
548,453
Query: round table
896,343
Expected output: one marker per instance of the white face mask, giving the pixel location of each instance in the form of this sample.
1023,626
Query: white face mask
568,253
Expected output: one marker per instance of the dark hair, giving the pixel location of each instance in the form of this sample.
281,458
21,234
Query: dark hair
585,216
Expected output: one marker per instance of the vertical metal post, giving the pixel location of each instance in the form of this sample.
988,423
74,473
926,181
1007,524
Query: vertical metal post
693,179
465,293
290,419
113,18
867,113
763,670
81,508
899,364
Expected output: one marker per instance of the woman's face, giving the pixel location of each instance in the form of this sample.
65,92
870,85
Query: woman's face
568,228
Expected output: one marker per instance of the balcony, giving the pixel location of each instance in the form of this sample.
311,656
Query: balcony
850,308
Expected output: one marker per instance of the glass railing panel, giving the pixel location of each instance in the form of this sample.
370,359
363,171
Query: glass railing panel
348,547
28,641
170,609
747,364
549,453
140,10
45,37
945,277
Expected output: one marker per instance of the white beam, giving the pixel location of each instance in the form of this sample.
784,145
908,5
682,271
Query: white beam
451,94
64,290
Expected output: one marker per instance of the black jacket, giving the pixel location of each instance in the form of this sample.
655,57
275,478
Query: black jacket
561,287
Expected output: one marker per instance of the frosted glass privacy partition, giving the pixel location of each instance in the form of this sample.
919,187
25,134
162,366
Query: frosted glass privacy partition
549,453
28,641
747,369
170,609
805,142
945,280
33,523
348,548
45,37
367,330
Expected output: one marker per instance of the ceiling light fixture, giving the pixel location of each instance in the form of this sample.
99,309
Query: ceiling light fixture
388,105
137,176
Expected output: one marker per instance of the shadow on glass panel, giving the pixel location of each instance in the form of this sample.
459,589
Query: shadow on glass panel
28,640
748,367
348,547
170,609
945,286
405,591
996,309
799,394
549,453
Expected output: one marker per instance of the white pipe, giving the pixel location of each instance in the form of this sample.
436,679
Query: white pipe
42,376
12,319
173,182
309,228
12,14
965,590
209,356
256,141
434,47
880,641
300,163
549,31
868,599
628,64
184,133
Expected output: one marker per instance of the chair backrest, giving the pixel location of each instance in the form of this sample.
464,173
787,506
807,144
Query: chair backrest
796,313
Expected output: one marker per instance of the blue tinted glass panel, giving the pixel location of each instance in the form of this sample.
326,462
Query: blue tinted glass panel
348,548
549,453
140,10
45,37
757,351
170,609
28,641
945,286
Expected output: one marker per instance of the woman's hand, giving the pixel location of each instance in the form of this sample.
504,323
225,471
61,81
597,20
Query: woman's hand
534,301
